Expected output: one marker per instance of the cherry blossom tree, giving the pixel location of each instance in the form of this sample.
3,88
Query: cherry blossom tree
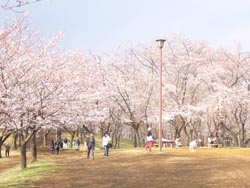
234,95
130,90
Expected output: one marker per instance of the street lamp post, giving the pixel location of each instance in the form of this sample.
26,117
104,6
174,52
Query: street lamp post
160,45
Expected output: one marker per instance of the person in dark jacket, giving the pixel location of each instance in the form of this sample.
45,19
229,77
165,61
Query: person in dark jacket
91,145
7,150
78,144
57,146
52,147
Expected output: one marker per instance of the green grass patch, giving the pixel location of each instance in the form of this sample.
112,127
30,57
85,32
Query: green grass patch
15,177
125,144
3,159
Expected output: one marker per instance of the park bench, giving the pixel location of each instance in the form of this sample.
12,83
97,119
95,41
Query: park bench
214,145
164,142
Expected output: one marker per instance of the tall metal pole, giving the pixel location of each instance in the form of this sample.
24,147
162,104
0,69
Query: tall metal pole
160,104
161,44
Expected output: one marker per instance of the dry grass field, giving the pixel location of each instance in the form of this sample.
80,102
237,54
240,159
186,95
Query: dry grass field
132,168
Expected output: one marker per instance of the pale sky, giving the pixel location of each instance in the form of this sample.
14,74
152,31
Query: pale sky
106,24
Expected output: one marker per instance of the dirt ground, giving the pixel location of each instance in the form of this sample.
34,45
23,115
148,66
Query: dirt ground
205,168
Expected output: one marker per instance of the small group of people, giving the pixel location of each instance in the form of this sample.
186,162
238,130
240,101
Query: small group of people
150,141
55,147
212,140
90,145
192,145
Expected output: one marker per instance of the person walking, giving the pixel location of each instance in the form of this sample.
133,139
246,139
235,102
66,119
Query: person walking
149,140
7,150
78,144
57,146
91,145
105,142
65,143
52,147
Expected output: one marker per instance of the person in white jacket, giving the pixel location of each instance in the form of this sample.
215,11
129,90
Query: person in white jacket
105,141
193,145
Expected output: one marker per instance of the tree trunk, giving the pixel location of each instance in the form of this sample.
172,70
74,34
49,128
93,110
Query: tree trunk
29,136
236,142
137,138
72,139
81,137
14,142
118,141
58,134
243,135
135,141
34,148
45,138
20,138
1,143
189,132
23,156
247,141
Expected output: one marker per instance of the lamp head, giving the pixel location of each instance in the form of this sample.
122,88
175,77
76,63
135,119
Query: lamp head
160,42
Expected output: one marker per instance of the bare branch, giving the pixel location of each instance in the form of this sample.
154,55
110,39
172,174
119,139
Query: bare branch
14,5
